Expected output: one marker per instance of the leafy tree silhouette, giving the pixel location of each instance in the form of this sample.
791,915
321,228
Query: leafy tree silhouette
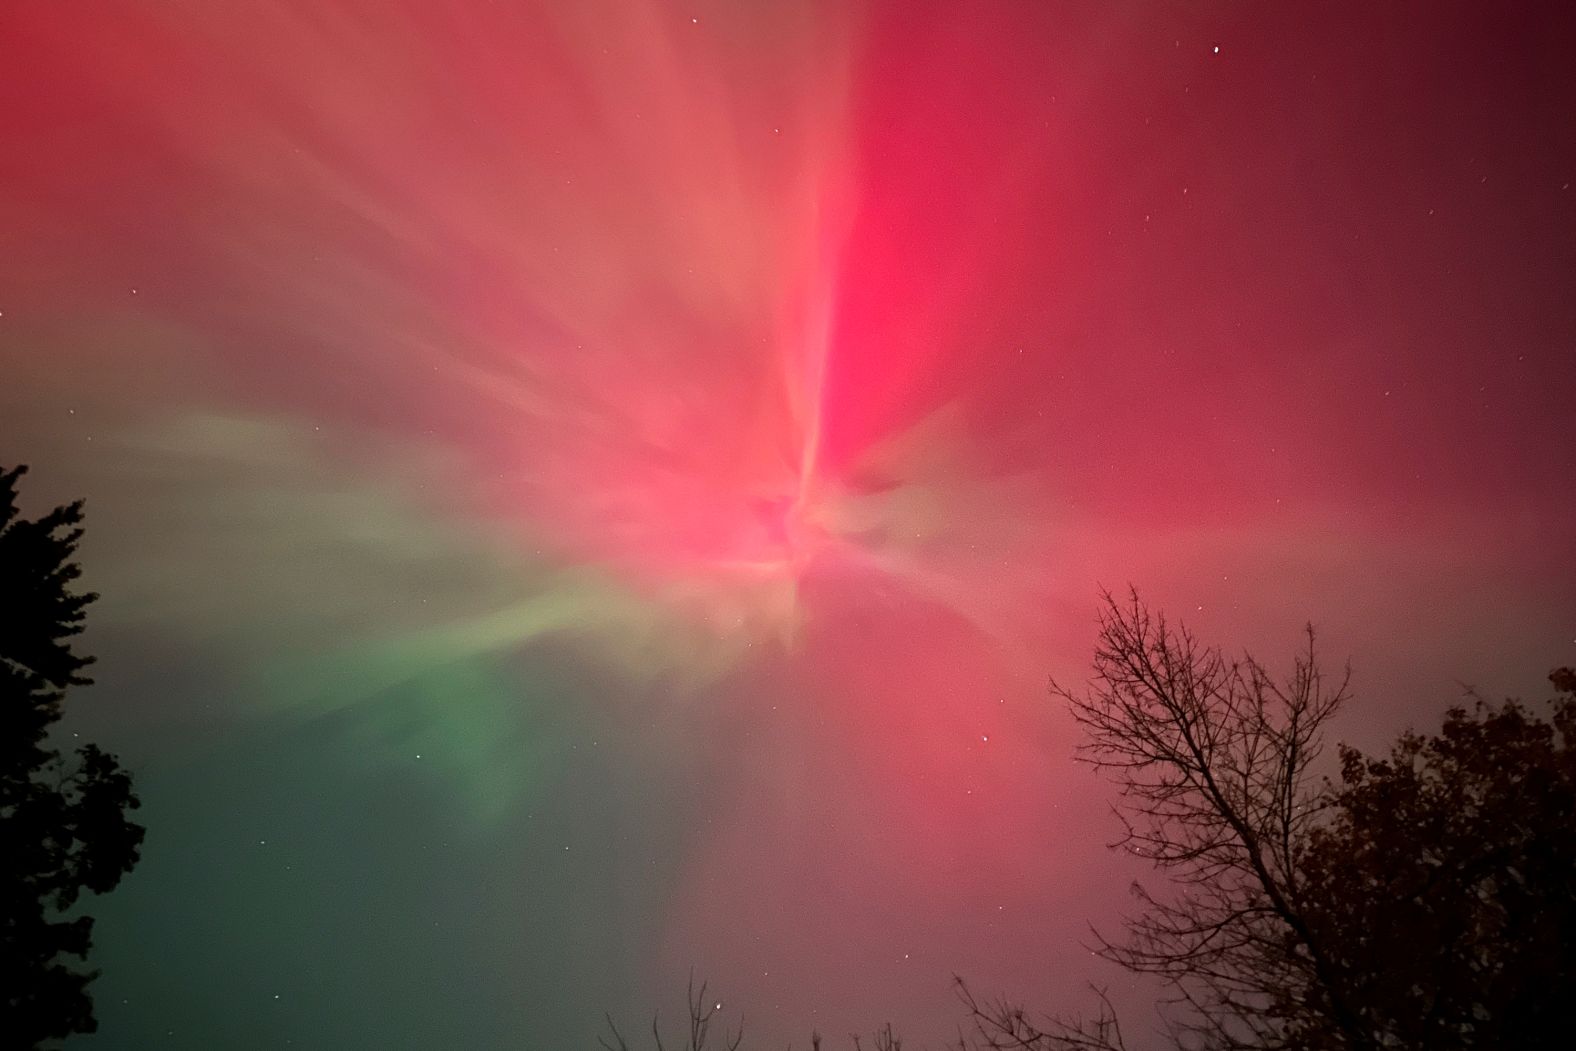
1445,880
63,824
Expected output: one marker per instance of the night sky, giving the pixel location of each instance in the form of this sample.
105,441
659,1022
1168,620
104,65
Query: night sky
586,490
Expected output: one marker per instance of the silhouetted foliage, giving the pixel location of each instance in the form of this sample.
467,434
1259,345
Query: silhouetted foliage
1444,881
1426,900
63,825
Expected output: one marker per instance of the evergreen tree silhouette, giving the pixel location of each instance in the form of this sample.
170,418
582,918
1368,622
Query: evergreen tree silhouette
63,823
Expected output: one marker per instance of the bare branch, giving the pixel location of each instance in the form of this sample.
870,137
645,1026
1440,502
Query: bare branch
1211,758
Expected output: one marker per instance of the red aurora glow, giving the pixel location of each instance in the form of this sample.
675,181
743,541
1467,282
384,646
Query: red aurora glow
697,429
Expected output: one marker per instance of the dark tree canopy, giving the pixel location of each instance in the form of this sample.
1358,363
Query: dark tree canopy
63,824
1444,880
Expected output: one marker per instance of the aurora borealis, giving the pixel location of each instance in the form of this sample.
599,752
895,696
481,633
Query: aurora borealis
585,491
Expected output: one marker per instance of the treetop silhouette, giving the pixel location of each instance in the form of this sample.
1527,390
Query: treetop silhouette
63,824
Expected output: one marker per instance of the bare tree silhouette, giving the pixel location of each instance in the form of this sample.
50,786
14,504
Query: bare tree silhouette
1213,759
701,1013
703,1010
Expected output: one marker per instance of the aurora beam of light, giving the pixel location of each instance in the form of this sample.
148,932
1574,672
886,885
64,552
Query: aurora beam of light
586,490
